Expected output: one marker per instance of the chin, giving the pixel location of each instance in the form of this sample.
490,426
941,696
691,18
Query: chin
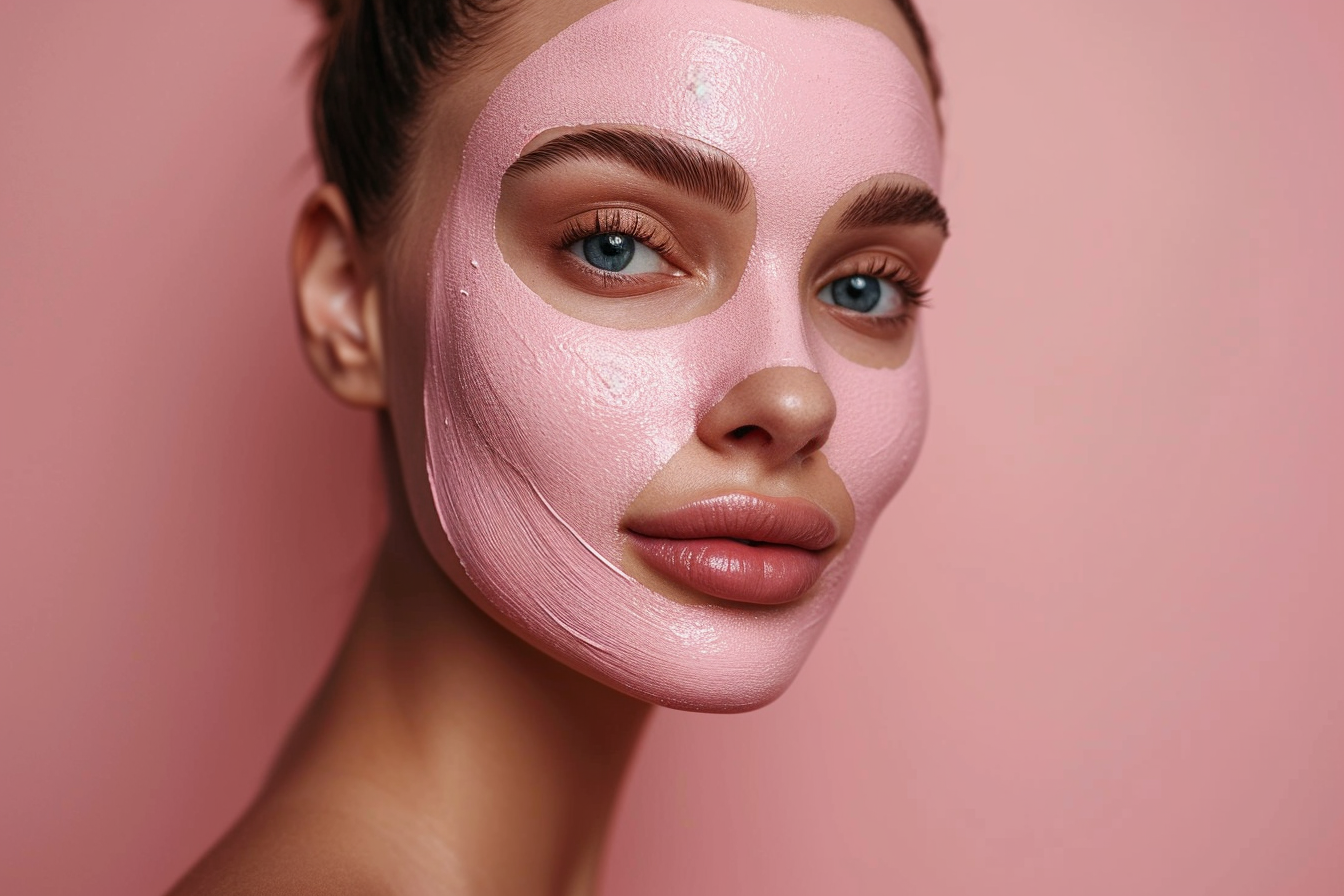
710,656
708,695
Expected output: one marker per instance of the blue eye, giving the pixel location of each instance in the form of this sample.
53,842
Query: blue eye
609,251
860,293
618,253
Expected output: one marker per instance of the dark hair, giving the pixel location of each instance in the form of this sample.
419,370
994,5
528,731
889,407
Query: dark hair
377,61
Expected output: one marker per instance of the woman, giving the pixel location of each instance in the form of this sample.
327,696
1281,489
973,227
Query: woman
636,285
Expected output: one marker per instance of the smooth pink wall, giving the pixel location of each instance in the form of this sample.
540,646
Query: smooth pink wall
1095,647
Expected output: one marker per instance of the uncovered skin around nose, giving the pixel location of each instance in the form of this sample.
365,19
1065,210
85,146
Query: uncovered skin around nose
541,429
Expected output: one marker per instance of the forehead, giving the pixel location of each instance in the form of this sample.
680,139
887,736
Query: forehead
516,28
820,98
607,79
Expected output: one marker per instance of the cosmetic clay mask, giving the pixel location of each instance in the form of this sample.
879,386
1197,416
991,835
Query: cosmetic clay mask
543,428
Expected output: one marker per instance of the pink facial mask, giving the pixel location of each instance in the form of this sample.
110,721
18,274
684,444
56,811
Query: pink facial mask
542,428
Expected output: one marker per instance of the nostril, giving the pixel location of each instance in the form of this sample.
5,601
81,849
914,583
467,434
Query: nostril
742,432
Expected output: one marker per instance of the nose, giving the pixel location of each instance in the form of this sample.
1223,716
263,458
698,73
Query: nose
779,415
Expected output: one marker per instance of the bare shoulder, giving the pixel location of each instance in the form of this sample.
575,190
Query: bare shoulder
297,846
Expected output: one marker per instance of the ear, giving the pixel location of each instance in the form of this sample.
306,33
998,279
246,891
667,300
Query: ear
337,300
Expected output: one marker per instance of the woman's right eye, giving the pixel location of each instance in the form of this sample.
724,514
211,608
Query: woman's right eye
618,253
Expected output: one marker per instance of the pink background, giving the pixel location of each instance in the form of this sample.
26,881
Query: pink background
1095,647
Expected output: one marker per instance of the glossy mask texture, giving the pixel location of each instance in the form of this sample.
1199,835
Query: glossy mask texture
542,429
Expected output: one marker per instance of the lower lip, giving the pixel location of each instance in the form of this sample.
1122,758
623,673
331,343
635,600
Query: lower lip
731,570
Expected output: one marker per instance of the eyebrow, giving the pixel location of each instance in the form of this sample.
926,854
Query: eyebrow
679,164
887,204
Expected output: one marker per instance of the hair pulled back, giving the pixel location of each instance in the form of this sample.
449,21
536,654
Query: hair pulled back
377,61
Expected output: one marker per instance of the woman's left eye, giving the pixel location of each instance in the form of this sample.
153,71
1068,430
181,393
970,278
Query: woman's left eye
864,294
618,253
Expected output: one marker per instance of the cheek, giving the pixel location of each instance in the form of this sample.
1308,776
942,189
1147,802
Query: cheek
584,416
881,417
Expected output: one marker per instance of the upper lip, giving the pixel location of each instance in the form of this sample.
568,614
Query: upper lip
750,518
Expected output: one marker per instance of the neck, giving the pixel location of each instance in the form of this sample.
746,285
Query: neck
487,763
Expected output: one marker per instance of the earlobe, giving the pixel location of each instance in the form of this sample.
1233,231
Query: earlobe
337,300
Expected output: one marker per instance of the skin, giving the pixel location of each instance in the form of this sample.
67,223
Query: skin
441,748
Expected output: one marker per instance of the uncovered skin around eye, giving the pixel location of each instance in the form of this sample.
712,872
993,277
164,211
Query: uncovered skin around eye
542,429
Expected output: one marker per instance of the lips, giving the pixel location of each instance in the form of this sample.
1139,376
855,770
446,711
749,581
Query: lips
739,547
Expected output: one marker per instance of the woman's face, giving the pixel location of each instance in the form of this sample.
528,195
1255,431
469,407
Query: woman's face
654,363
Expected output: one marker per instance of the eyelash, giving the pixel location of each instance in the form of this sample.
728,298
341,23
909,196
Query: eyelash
614,220
909,284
